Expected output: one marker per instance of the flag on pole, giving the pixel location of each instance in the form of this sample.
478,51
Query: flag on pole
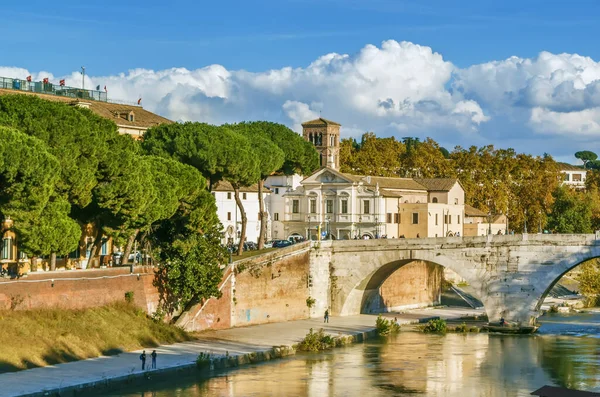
45,81
62,83
29,79
105,90
140,101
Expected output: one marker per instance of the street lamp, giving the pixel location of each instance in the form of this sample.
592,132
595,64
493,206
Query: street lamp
525,222
309,237
327,219
490,222
540,224
376,227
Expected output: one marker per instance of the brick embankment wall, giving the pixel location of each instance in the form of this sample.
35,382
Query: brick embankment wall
416,284
79,289
268,288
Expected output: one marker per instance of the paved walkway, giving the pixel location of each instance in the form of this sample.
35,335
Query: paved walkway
233,341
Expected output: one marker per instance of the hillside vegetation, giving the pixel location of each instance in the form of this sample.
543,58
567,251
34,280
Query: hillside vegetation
35,338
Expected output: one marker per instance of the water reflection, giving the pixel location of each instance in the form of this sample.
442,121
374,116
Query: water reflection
417,364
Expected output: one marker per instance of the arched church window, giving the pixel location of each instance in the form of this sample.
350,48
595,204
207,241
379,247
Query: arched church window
434,200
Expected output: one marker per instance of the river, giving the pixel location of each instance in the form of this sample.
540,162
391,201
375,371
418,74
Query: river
565,352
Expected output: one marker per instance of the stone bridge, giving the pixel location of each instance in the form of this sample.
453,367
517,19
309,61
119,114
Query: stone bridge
510,274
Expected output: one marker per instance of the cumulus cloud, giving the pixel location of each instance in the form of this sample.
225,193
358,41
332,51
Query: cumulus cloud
397,87
558,93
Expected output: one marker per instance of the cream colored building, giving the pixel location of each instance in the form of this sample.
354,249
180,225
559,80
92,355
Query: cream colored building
573,176
478,223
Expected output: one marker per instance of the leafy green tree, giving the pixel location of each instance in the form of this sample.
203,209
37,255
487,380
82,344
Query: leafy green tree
188,250
52,232
589,281
586,156
75,136
270,159
571,212
28,176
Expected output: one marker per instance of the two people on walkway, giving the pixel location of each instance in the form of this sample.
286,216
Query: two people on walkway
143,358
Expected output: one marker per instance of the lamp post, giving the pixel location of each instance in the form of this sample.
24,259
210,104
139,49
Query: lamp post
525,223
506,229
376,227
309,237
490,222
540,222
327,219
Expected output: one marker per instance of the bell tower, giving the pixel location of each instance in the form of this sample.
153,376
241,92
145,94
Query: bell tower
325,135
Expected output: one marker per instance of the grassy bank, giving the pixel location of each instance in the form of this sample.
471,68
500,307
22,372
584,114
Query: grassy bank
41,337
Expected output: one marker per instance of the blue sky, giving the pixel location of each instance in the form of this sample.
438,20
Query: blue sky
112,38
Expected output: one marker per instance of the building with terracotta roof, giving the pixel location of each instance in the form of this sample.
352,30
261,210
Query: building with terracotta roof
479,223
130,119
325,135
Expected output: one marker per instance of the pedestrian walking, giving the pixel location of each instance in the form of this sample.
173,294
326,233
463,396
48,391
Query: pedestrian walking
153,355
326,317
143,358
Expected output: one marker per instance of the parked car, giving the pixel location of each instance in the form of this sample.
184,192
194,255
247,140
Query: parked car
269,244
282,243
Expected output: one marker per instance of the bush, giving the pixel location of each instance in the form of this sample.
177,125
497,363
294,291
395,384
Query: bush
203,360
129,296
461,328
386,327
316,341
553,309
436,326
310,302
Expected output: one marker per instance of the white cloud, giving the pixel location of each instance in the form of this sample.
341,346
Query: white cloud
396,88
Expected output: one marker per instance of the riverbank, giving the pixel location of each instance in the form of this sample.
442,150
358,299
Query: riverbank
235,346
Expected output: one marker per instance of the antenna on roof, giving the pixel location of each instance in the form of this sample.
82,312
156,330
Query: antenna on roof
83,77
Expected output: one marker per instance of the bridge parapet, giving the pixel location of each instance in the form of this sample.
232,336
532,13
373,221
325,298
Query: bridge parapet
511,274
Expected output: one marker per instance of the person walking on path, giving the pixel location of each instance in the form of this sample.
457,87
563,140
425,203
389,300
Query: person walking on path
143,358
153,355
326,318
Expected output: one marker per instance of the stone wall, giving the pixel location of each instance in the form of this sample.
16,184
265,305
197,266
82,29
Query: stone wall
271,290
79,289
268,288
416,284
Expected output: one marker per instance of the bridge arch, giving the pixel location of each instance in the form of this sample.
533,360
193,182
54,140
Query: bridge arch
360,292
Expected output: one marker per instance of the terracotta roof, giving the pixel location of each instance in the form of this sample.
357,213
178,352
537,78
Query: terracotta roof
319,121
438,184
113,111
569,167
385,182
472,211
391,193
224,186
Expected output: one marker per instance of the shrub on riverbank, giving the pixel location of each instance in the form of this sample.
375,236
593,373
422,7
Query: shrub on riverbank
386,327
436,326
316,341
40,337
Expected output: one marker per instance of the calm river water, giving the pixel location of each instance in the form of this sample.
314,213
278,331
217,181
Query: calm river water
565,353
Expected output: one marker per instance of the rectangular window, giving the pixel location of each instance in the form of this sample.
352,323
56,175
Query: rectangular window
104,250
458,219
330,206
276,190
228,195
313,206
567,177
276,216
446,219
344,206
388,217
366,207
576,177
244,196
295,206
415,219
436,219
396,218
6,248
229,216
